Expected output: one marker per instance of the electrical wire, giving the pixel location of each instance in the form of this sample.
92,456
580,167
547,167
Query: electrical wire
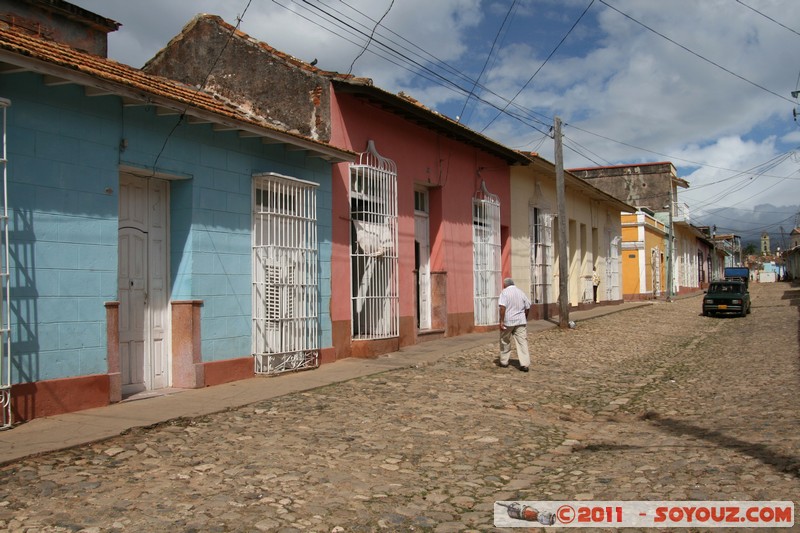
679,45
504,110
201,87
552,52
768,18
488,58
444,81
438,78
371,35
668,156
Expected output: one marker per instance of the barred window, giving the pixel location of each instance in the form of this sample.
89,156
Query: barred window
285,274
486,256
375,301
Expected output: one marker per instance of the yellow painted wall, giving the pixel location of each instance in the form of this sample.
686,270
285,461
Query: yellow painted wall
655,239
630,272
630,233
638,278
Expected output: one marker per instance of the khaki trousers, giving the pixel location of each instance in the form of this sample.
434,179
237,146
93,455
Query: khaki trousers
520,336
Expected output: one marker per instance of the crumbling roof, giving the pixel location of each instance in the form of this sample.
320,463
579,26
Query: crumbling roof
283,56
401,104
20,51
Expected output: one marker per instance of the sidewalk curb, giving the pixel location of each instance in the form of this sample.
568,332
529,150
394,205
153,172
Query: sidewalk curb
62,432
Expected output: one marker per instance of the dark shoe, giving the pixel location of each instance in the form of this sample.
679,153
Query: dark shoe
524,368
501,365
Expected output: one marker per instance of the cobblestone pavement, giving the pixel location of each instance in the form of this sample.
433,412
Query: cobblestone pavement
655,403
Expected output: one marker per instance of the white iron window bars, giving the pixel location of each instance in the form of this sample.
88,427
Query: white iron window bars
486,255
375,300
285,274
5,305
612,268
541,237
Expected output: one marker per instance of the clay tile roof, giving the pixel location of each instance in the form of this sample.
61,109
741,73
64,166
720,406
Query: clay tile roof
42,55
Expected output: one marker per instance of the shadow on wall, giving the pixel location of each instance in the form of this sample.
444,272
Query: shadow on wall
25,342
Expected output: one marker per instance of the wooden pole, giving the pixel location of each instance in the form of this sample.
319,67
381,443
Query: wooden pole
563,258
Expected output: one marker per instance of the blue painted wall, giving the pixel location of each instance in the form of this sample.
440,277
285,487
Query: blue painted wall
65,157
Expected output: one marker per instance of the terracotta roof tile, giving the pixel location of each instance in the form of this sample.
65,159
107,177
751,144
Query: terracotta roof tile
124,76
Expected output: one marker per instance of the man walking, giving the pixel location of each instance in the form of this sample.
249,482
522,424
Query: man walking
595,283
514,308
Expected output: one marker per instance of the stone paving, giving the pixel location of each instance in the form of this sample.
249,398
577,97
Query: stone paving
655,403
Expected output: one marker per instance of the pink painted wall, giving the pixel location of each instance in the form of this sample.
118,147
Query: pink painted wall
422,156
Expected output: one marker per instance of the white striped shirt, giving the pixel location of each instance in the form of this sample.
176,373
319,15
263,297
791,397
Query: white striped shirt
516,303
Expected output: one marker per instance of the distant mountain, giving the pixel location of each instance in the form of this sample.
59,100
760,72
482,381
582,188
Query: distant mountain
750,223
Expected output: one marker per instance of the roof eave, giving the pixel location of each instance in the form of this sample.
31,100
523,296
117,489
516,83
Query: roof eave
428,118
101,86
574,181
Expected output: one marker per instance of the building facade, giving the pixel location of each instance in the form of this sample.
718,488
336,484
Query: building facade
143,217
643,255
654,186
593,240
420,219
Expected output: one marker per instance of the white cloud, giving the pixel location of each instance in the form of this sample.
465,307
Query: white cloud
641,97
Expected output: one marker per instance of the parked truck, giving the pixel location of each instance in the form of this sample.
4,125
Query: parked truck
738,273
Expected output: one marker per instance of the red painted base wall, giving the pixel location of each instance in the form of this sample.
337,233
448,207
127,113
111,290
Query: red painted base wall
58,396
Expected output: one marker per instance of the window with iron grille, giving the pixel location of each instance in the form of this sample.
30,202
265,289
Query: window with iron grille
541,241
486,256
285,274
375,301
5,283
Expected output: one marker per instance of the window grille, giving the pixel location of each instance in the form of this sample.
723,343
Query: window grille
612,281
5,305
285,274
541,237
375,300
655,266
486,255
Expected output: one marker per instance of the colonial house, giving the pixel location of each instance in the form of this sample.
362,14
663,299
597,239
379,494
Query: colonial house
655,186
593,239
793,255
644,241
157,234
730,246
420,221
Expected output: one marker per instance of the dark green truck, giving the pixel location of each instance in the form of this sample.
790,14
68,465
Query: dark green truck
729,297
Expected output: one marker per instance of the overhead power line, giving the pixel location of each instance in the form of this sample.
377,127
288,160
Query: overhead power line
350,70
442,80
732,73
387,49
488,58
552,53
202,86
768,17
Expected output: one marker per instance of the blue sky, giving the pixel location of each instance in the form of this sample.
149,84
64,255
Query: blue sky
706,85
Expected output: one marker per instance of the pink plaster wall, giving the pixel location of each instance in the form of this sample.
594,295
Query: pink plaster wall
422,156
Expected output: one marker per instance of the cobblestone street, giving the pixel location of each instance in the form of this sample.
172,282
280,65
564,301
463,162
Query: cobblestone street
654,403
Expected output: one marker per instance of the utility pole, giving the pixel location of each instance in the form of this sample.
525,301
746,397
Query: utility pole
563,270
670,236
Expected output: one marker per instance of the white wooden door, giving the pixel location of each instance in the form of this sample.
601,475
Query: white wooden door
142,284
422,236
